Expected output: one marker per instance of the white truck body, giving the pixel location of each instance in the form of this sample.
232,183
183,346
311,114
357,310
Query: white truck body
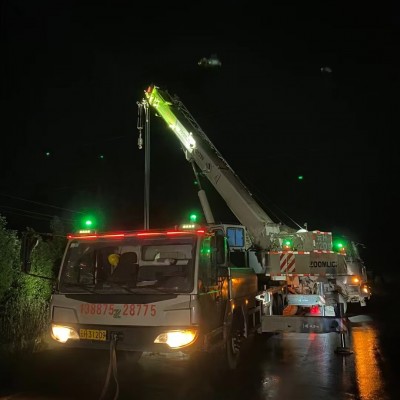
306,267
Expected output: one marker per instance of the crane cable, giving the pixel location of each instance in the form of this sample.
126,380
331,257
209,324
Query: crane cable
143,113
112,369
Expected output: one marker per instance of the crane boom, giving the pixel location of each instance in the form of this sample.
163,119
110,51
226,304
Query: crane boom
198,148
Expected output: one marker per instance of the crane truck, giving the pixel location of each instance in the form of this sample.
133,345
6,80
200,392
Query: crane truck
300,272
196,289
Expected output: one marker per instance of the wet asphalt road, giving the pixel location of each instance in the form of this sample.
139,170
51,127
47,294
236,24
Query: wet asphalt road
277,367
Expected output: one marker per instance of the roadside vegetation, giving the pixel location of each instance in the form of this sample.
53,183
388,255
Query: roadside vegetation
24,299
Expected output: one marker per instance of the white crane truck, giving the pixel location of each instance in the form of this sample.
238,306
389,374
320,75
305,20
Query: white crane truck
196,289
300,272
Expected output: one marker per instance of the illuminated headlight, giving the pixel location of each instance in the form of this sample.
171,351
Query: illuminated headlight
355,280
365,289
177,339
63,333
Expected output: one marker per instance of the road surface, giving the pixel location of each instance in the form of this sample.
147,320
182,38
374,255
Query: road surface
277,367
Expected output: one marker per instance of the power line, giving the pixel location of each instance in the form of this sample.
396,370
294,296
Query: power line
33,216
27,212
39,203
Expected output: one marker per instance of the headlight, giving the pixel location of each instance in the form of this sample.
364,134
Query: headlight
355,280
177,339
63,333
365,289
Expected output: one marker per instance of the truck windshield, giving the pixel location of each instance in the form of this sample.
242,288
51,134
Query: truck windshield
133,264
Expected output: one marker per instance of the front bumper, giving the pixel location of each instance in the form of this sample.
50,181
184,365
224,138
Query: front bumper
129,338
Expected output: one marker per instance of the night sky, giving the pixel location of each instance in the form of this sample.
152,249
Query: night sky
302,90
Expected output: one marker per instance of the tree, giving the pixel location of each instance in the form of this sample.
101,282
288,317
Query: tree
24,298
9,260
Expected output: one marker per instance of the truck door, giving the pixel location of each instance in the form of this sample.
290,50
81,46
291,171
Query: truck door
220,269
212,281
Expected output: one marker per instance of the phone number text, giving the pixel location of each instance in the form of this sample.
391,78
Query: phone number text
120,310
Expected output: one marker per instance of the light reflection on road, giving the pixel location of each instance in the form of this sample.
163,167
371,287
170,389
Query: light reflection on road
280,367
301,366
366,354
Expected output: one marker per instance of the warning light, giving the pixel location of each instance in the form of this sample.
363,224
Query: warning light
339,245
188,226
88,222
314,310
85,231
287,244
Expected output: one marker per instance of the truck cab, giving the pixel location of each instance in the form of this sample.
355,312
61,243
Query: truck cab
158,291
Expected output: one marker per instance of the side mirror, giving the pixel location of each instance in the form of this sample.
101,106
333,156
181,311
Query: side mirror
29,241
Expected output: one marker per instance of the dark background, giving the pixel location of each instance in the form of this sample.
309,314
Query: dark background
303,89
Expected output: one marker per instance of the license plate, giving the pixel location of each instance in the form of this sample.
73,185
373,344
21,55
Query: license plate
93,334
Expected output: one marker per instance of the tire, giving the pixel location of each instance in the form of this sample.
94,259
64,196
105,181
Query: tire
357,309
277,304
233,344
341,300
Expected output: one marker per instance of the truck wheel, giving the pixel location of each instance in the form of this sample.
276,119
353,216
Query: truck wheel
233,344
337,309
355,309
277,304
